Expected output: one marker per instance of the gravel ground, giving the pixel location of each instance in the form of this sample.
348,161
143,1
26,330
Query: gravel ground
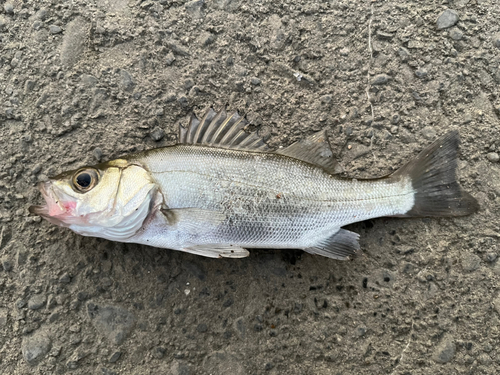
90,80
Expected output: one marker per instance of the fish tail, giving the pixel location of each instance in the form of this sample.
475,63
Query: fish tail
434,181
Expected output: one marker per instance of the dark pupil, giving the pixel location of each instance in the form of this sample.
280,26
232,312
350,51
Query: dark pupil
83,180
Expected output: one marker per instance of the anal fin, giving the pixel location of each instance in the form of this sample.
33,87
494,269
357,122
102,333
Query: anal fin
217,251
338,246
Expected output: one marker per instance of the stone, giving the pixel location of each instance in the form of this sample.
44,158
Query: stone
9,8
35,347
207,39
202,328
159,352
127,81
54,29
456,34
496,40
447,19
65,278
97,153
421,73
7,265
74,41
113,322
3,22
223,363
429,133
325,99
493,157
169,59
178,368
115,357
157,134
470,262
88,80
380,79
255,81
194,8
240,327
445,351
36,302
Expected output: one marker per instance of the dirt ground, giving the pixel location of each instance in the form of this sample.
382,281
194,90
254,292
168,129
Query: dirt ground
83,81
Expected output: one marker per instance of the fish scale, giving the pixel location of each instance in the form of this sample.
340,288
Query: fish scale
272,200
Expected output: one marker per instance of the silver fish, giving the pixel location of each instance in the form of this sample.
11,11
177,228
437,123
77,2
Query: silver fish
219,192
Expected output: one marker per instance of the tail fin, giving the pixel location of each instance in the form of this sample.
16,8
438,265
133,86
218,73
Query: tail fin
433,177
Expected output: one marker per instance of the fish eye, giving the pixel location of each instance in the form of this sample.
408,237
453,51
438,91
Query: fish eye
85,179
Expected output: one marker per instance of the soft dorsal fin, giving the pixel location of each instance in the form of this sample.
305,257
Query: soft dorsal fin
217,129
314,149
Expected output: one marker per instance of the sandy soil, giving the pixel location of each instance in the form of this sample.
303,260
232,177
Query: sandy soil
84,81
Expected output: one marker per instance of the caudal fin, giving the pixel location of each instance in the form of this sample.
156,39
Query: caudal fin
433,177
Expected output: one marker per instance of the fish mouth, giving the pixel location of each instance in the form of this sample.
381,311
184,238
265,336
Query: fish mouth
51,210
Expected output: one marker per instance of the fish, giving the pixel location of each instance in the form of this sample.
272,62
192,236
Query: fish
221,191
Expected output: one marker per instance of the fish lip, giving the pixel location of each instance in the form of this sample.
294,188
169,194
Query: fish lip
43,210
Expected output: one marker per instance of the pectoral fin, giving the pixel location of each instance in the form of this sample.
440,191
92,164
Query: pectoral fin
218,251
339,246
195,219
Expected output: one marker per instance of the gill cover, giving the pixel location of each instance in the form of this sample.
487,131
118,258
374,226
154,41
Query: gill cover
110,200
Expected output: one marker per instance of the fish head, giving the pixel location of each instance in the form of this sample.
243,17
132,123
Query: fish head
110,200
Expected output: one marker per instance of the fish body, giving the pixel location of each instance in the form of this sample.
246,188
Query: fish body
218,192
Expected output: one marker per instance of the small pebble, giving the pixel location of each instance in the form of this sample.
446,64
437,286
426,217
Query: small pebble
97,152
9,8
255,81
380,79
3,21
34,348
115,357
169,59
269,366
7,265
159,352
202,328
496,40
157,134
445,351
429,133
36,302
65,278
447,19
403,53
54,29
456,34
421,73
491,257
188,83
325,99
207,39
470,262
126,80
41,14
493,157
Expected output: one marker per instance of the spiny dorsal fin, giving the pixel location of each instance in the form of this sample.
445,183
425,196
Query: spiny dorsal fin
314,149
217,129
